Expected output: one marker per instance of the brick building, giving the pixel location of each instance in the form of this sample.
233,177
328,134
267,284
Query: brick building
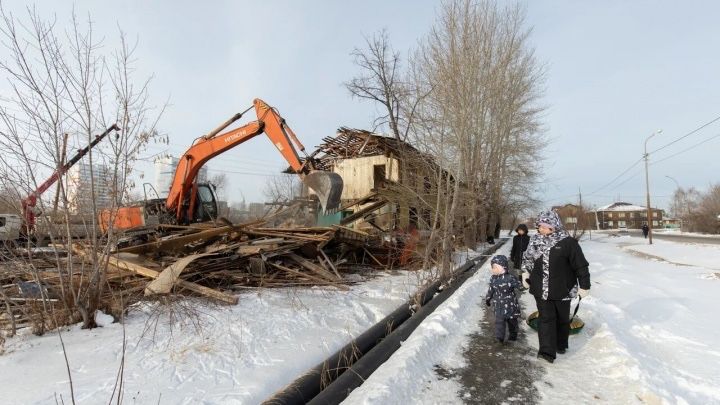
626,215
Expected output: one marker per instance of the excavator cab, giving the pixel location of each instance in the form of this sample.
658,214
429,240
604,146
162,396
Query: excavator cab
327,186
207,203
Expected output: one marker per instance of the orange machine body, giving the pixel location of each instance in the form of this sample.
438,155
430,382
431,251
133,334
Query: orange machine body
181,201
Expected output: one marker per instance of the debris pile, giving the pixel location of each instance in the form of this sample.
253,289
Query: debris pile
198,260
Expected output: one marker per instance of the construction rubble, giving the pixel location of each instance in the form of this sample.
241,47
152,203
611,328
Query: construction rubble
215,262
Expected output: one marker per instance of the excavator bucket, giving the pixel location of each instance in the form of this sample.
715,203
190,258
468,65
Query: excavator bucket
327,186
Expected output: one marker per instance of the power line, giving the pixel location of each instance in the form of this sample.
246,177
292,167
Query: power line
686,149
617,177
686,135
628,179
656,150
247,173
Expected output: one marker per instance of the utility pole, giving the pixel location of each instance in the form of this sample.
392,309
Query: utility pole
647,186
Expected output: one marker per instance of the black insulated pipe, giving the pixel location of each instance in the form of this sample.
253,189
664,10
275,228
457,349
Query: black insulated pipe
328,383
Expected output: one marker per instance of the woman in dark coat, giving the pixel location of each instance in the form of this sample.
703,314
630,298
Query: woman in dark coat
556,271
520,244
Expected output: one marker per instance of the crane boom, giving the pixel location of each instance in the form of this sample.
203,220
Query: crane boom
28,204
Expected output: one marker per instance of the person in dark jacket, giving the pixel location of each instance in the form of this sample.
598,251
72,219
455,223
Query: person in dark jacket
520,244
555,270
645,230
501,296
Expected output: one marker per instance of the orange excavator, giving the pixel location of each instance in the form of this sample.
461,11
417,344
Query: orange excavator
190,201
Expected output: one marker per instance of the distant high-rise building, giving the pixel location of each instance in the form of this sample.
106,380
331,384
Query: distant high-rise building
165,171
256,210
80,187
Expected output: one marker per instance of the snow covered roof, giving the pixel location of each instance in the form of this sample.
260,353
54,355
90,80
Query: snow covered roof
622,206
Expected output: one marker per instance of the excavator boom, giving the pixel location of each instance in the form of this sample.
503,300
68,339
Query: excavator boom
181,199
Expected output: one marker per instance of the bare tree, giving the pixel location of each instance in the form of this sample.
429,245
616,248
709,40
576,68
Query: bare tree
485,88
64,82
282,188
700,212
381,81
469,100
220,181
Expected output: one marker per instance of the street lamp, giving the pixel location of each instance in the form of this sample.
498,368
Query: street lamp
647,186
676,182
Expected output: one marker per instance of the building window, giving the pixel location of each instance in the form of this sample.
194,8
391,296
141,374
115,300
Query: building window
610,215
654,214
621,215
610,224
655,223
621,223
571,220
378,176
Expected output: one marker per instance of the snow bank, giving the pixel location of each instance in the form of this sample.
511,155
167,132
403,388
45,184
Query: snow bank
436,341
239,354
691,254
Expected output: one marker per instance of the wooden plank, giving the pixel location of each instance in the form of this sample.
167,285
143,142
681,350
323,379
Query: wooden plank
309,276
308,238
179,242
144,271
329,262
373,257
353,230
362,212
312,266
167,278
206,291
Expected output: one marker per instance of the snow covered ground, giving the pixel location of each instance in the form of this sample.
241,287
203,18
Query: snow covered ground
689,254
650,336
667,231
221,355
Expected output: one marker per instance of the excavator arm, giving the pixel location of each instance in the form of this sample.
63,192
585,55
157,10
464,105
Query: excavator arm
181,199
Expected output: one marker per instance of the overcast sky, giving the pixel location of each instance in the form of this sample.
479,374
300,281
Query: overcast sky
616,72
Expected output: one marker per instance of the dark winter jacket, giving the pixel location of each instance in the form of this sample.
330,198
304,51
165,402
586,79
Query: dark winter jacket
520,243
568,268
501,294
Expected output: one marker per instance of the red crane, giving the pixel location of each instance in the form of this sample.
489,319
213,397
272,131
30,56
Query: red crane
28,204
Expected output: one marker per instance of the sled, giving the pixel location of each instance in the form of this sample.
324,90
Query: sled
576,324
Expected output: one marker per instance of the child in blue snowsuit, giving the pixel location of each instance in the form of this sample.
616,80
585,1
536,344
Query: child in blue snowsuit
501,295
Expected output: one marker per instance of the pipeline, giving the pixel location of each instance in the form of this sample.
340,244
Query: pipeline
329,383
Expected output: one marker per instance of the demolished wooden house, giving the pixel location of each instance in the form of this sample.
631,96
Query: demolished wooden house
388,183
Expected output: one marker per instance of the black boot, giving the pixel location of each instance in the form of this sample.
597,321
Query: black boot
546,357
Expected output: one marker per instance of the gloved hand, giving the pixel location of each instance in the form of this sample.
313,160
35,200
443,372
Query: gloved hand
487,302
526,279
583,293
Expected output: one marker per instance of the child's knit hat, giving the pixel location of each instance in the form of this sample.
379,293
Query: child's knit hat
500,260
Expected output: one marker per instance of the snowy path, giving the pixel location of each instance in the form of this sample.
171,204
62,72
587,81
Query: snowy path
496,374
650,336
